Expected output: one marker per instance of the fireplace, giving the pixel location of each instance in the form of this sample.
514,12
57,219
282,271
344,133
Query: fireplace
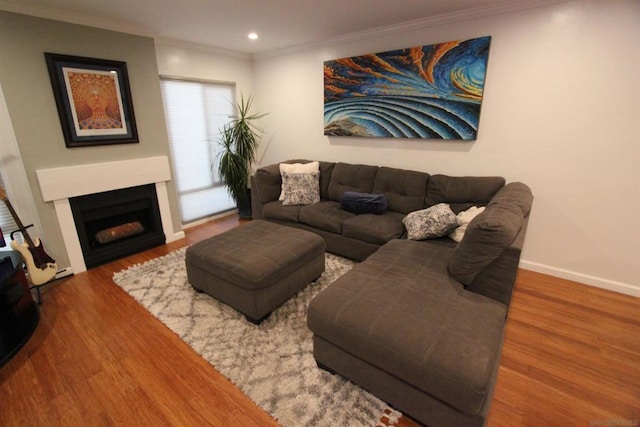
60,185
117,223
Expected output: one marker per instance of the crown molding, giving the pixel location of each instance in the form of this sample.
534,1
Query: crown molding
181,44
505,7
56,14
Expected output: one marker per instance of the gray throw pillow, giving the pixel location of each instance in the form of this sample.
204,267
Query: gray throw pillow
300,188
430,223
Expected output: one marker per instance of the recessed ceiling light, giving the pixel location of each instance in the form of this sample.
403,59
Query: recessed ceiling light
253,36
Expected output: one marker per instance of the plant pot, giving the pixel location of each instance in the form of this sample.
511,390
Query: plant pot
244,205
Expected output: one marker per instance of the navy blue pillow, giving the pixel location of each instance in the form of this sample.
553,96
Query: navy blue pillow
360,203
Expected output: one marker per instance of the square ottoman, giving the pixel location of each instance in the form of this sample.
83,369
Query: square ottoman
255,267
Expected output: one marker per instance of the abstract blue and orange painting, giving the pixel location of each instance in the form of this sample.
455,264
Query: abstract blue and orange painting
432,91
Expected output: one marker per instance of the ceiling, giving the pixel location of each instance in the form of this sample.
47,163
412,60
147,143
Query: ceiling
225,24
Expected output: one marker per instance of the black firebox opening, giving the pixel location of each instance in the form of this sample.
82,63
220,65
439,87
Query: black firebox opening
94,213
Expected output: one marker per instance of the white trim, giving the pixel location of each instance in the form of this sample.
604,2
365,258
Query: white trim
598,282
55,13
181,44
58,14
60,184
15,177
165,212
73,181
418,24
70,235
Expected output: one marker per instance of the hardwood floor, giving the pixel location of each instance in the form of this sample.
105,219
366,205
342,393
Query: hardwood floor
571,357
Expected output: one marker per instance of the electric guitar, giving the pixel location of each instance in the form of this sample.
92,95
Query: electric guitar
41,268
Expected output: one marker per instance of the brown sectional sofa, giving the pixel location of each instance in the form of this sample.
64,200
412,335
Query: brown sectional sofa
418,323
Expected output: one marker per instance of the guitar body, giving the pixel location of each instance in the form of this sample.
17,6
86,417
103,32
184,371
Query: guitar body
40,267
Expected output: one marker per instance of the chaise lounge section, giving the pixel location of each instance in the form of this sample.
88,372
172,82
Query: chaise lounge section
420,324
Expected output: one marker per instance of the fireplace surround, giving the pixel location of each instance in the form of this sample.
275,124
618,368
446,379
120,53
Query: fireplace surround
58,185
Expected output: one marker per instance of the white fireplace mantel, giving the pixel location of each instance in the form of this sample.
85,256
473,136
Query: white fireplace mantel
58,185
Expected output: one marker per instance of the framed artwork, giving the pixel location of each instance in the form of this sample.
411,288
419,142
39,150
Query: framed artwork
432,91
93,100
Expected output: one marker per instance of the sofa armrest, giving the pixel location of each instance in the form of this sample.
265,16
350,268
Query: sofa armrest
486,260
256,207
266,183
497,280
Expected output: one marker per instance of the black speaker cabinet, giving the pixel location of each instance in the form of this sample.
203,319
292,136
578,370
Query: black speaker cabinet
19,314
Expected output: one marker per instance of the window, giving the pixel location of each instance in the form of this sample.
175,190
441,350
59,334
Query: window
7,223
12,175
195,112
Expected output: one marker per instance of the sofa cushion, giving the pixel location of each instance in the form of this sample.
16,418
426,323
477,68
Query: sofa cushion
347,177
300,188
490,233
361,203
276,211
405,190
401,312
376,229
326,215
462,192
436,221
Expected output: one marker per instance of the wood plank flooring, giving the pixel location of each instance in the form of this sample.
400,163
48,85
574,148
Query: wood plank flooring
571,357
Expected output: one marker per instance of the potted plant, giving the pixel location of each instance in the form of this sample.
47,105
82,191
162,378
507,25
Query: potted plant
239,140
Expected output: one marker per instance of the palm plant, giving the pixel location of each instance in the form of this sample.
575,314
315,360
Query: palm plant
239,140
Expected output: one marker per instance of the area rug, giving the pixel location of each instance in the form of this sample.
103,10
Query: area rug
272,363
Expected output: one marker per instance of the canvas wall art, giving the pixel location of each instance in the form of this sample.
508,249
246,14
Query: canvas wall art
432,92
93,100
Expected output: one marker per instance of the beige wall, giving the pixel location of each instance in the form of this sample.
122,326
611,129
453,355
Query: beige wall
560,113
561,102
188,61
29,98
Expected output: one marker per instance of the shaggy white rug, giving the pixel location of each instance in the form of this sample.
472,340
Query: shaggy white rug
272,363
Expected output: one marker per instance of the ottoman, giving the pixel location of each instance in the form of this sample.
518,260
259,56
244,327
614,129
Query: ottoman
255,267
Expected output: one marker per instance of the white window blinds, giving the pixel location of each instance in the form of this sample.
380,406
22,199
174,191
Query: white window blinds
195,113
7,223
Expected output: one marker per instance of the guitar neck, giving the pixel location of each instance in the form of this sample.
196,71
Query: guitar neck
16,218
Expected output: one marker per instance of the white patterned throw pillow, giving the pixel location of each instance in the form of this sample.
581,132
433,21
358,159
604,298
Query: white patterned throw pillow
430,223
297,168
300,188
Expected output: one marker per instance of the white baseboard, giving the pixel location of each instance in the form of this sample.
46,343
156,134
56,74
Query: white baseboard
176,236
63,272
209,218
598,282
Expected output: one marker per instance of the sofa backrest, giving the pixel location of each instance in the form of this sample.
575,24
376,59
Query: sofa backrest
462,192
269,181
348,177
404,190
326,171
